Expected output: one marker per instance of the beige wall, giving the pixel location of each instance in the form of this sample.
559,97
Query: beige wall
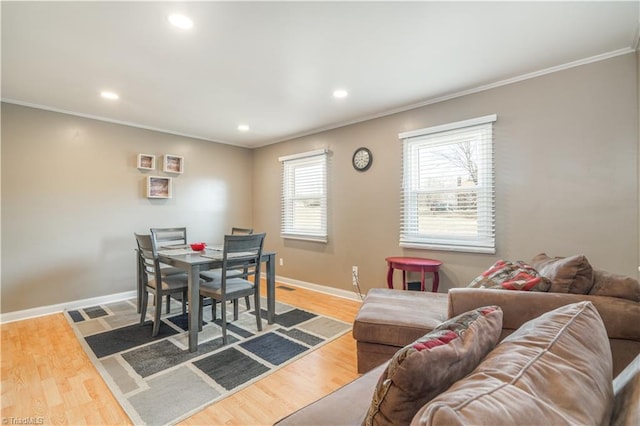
566,181
566,149
72,198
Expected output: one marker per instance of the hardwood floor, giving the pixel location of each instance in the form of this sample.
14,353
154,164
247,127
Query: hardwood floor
48,379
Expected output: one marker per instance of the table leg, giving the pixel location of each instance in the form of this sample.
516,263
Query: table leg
271,288
422,280
404,279
194,306
436,281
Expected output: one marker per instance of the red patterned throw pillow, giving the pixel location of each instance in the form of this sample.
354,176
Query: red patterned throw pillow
509,275
425,368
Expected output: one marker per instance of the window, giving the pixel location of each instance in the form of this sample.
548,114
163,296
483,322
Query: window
304,196
448,197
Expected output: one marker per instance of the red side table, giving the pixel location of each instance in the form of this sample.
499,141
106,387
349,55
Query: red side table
415,264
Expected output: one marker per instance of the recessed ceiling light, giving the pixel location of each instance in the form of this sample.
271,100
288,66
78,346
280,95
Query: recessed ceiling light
180,21
340,93
243,127
109,95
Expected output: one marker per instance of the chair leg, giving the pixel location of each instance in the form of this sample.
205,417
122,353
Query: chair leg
235,309
256,296
143,307
200,313
247,303
184,302
168,303
214,314
156,317
223,313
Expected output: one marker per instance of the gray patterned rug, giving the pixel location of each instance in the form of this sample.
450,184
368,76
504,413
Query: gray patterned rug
158,381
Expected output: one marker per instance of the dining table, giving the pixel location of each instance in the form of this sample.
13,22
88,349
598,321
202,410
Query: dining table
193,262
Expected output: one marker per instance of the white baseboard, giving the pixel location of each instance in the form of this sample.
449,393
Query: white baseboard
54,309
345,294
76,304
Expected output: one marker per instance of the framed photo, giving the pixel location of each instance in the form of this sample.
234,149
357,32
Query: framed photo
158,187
146,162
173,164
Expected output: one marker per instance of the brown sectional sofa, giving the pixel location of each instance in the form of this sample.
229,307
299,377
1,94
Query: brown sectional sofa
378,338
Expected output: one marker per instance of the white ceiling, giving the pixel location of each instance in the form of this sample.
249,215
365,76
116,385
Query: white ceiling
274,65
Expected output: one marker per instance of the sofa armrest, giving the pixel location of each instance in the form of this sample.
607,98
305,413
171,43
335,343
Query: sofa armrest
626,389
620,316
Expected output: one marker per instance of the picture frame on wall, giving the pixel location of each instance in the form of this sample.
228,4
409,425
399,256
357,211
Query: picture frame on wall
146,162
173,164
159,187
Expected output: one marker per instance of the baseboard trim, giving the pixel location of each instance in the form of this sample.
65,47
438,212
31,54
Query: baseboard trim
320,288
83,303
54,309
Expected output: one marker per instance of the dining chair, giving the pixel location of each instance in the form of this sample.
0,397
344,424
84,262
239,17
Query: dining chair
164,270
156,283
241,253
215,274
169,237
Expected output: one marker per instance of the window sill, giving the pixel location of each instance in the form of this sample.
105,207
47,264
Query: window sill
454,248
313,238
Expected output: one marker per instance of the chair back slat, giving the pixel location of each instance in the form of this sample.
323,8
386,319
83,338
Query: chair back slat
169,236
241,231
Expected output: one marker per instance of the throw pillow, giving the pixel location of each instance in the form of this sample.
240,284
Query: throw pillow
615,285
555,369
509,275
567,274
423,369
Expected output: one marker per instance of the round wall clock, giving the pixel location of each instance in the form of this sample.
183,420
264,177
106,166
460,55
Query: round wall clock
362,159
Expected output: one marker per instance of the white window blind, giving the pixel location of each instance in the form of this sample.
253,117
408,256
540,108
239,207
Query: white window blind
304,196
448,196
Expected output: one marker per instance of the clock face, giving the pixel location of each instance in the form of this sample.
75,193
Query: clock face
362,159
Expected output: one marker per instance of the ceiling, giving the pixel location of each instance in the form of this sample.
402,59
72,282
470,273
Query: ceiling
274,65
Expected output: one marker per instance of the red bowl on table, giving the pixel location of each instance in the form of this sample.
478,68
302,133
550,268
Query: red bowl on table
198,246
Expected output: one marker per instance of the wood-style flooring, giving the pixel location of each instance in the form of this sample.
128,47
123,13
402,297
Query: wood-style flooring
48,379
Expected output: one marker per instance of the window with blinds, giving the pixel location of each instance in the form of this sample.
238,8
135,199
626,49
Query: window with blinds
304,196
448,196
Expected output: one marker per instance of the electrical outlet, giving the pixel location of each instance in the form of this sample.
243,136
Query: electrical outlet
354,275
281,262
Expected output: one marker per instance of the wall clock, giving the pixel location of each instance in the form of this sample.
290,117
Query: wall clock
362,159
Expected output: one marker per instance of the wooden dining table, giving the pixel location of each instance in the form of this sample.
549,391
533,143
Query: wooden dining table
194,262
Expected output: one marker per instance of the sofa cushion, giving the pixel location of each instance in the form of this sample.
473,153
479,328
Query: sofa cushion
567,274
428,366
507,275
398,317
615,285
555,369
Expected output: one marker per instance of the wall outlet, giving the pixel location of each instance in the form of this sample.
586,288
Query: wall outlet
281,262
354,275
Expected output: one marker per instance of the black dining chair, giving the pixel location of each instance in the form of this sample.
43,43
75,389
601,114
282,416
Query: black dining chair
241,253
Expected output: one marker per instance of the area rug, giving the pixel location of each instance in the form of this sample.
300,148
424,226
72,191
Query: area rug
157,381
